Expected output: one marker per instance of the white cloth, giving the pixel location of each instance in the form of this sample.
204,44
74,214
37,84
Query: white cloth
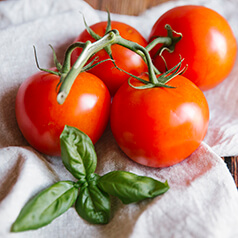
202,200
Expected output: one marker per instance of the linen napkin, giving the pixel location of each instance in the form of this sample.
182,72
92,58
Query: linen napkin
202,200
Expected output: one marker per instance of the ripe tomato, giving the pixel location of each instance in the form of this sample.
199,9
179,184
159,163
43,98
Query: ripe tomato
208,44
124,58
41,119
159,127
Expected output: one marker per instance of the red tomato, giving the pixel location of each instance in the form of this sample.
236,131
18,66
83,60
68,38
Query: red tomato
208,44
124,58
41,119
159,127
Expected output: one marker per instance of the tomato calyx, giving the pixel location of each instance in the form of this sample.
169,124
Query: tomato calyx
162,79
89,49
108,47
63,70
169,42
98,37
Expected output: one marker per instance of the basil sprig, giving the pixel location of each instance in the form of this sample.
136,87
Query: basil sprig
91,194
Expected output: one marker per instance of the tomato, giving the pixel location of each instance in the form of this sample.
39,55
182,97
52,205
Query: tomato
41,119
159,127
207,45
124,58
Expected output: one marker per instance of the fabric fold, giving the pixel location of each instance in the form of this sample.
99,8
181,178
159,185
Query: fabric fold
23,173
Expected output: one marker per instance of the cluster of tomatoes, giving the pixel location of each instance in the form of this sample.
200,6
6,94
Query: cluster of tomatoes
157,126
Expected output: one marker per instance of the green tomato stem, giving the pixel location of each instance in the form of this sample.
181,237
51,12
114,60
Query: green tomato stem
88,50
167,41
67,60
112,37
140,50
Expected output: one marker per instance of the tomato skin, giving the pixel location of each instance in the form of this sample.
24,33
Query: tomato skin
41,119
124,58
159,127
208,44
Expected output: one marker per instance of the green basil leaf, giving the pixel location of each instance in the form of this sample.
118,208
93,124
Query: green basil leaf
77,152
129,187
93,205
46,206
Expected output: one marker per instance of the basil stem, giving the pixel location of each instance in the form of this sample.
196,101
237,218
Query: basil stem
77,152
93,204
46,206
129,187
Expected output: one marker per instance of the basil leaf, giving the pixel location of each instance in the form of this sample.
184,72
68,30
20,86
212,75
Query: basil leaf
77,152
93,205
129,187
46,206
